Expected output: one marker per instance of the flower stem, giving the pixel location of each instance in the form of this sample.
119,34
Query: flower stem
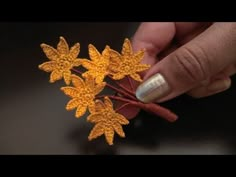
149,107
130,99
77,71
121,107
118,98
123,87
130,83
121,92
129,95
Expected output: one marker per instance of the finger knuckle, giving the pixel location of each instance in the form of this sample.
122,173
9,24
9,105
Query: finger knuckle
193,62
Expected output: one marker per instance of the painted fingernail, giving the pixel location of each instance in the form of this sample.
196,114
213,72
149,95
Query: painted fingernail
152,89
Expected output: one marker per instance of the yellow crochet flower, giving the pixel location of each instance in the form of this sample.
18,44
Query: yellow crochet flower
107,121
127,64
98,65
62,60
82,94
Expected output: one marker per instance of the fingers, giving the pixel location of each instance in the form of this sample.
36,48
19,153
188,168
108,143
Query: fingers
154,37
212,88
186,31
185,68
219,83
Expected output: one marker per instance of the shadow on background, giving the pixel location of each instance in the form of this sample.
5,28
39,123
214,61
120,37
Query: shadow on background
33,119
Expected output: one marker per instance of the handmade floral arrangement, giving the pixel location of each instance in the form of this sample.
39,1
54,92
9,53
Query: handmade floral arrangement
84,88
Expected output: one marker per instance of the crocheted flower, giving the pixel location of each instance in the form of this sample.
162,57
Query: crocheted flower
127,63
61,61
83,94
98,65
106,120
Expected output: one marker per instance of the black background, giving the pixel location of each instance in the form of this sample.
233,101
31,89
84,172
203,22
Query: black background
33,119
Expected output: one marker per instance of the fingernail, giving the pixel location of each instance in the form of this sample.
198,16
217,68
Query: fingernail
152,89
219,85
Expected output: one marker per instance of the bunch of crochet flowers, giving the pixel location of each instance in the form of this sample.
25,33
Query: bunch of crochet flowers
84,88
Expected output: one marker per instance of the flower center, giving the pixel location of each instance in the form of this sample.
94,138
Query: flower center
127,66
64,62
102,66
86,96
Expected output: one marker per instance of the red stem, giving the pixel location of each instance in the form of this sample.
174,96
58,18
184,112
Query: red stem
121,107
130,83
150,107
123,87
121,92
77,71
129,95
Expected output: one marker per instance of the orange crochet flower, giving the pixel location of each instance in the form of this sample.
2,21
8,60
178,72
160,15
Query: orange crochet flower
107,121
82,94
62,60
98,65
127,64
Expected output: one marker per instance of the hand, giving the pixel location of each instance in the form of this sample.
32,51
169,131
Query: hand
193,58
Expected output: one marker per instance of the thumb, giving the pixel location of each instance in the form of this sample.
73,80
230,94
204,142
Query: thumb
182,70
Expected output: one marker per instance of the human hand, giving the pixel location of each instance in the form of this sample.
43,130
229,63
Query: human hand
193,58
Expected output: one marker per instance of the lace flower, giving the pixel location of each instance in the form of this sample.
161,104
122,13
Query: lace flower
82,94
107,121
98,65
127,63
61,61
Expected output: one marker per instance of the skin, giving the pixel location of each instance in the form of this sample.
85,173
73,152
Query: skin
195,58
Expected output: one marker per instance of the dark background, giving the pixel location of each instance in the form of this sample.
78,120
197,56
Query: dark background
33,119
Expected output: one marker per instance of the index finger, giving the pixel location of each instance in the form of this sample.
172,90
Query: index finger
154,37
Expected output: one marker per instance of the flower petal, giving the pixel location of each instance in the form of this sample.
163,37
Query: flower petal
109,134
139,55
99,87
80,111
118,128
97,131
89,81
93,53
127,48
77,62
72,104
50,52
55,75
113,68
67,77
121,119
99,79
74,50
106,52
77,81
136,77
48,66
92,109
62,46
88,64
142,67
99,105
95,118
115,57
118,76
108,102
70,91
